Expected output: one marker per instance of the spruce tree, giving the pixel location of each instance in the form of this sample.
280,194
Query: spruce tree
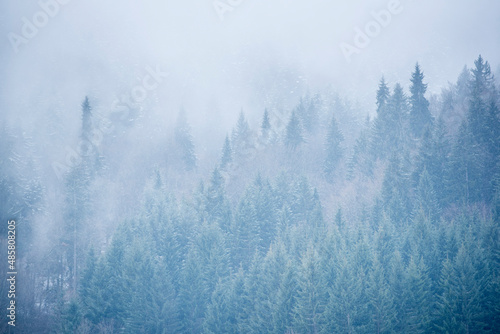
389,131
266,215
285,300
78,199
71,318
464,177
257,317
206,263
311,299
265,126
294,136
446,317
420,116
86,119
382,97
461,304
220,316
381,305
216,205
307,112
361,161
241,138
417,299
184,141
245,232
397,121
333,148
379,134
395,191
484,125
227,154
426,200
434,156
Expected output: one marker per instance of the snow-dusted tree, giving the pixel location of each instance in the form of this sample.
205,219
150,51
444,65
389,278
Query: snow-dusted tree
265,126
294,136
333,148
420,116
184,141
227,154
241,138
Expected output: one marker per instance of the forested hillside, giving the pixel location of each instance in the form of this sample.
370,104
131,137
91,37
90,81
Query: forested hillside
316,219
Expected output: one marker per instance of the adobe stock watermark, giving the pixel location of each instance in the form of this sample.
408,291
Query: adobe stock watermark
103,125
221,7
30,28
371,30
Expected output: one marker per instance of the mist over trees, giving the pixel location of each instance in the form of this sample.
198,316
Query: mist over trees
304,221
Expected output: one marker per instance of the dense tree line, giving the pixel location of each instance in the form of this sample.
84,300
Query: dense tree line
423,256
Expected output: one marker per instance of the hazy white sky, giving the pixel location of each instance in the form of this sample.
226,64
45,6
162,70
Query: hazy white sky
219,66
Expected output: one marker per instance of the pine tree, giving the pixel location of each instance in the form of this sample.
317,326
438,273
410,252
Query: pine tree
85,289
307,112
184,141
397,121
311,299
464,175
88,149
257,298
245,231
265,126
294,136
381,305
395,191
477,116
227,154
217,208
206,263
265,208
333,148
193,294
275,288
463,86
222,312
241,138
434,156
378,140
361,160
103,296
382,97
114,291
389,133
160,227
87,128
302,201
79,196
71,318
482,83
141,289
420,116
461,304
426,201
395,277
446,319
344,310
493,129
285,300
484,125
417,300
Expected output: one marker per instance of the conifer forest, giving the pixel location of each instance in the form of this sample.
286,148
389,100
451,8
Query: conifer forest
232,167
